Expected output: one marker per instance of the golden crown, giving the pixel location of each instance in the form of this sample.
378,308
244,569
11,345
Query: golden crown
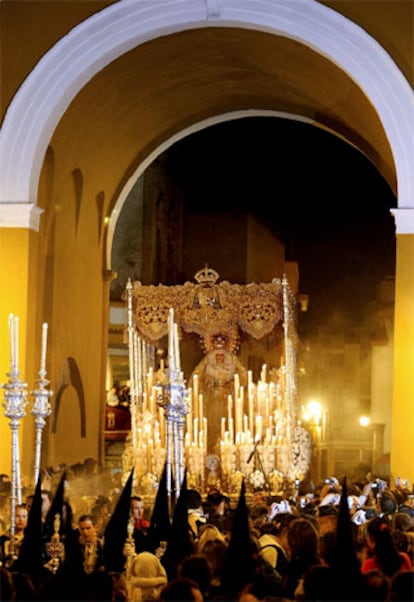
206,276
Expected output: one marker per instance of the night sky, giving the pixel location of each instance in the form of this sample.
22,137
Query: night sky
324,200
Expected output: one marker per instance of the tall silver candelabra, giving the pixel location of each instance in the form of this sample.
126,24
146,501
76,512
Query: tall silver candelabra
173,398
15,401
41,410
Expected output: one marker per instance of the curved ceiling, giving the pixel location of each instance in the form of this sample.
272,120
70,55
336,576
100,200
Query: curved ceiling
158,89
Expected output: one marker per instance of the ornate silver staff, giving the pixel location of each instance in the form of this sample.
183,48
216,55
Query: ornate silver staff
41,407
174,401
133,385
290,363
15,401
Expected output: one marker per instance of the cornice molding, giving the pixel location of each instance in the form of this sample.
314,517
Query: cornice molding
20,215
404,220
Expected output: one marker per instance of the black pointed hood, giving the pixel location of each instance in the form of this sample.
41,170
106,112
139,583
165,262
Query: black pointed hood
56,507
31,555
345,566
160,524
116,530
179,543
239,567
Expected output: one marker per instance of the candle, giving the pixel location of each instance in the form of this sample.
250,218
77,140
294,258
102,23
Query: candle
236,385
200,407
171,339
176,348
195,394
44,345
238,412
148,451
251,406
16,343
189,425
231,430
223,427
190,400
11,334
195,434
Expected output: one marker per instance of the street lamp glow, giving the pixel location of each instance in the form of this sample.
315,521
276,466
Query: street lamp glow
312,412
364,420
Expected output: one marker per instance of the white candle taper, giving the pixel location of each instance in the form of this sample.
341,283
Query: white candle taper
171,339
177,348
44,345
11,334
16,343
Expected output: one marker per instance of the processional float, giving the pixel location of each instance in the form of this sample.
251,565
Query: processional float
167,418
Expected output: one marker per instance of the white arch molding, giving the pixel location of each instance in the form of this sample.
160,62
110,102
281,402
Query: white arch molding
49,89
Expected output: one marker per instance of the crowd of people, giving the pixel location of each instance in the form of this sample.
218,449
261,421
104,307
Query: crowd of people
338,540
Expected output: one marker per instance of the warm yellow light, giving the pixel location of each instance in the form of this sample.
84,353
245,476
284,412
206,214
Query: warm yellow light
312,411
364,420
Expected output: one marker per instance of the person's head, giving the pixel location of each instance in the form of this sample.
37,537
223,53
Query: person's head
402,586
29,502
215,551
327,516
20,517
47,497
320,583
281,524
387,503
196,567
402,522
180,589
377,533
87,528
148,576
137,507
380,543
259,498
208,532
218,502
376,585
303,539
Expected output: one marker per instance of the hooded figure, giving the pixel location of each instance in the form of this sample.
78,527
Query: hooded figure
56,507
160,524
31,555
345,566
116,530
180,542
239,566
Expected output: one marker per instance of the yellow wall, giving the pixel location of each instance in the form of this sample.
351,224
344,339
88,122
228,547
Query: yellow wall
402,439
18,261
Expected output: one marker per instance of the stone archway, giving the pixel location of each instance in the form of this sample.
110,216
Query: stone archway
76,58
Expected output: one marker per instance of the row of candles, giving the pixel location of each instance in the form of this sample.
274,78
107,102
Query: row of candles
255,416
14,345
264,409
